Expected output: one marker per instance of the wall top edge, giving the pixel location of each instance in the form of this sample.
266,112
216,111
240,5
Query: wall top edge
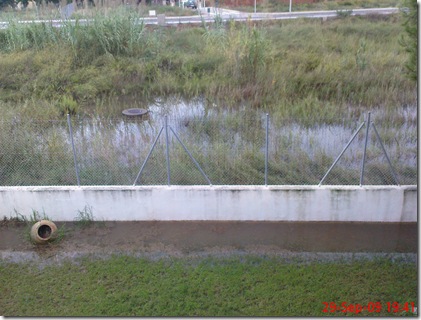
208,188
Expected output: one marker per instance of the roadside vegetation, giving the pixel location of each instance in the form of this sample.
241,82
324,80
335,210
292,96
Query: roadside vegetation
247,286
410,39
54,10
299,68
283,6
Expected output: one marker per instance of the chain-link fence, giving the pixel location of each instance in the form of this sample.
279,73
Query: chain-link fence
224,149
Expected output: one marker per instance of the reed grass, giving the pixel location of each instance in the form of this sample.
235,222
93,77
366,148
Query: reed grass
294,67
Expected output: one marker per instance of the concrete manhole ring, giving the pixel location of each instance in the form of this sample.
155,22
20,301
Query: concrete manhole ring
134,112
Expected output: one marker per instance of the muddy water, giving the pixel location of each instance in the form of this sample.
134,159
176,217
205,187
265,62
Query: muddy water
187,237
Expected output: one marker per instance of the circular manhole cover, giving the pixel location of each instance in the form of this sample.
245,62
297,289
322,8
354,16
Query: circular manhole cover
135,112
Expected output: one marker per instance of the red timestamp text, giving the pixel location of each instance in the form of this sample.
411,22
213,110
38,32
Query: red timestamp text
370,307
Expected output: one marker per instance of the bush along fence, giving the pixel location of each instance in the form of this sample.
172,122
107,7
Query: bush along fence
240,149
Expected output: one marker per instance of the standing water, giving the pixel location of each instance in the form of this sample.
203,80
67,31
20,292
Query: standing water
228,144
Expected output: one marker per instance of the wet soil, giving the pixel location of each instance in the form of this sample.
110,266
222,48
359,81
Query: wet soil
180,238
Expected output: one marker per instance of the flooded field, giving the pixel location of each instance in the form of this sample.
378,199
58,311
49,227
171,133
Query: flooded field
229,145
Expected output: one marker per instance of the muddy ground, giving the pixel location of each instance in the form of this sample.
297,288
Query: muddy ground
183,238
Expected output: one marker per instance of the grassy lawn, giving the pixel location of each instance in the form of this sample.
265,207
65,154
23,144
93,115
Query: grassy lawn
247,286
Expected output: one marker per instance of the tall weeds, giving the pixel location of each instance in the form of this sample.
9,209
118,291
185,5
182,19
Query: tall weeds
302,67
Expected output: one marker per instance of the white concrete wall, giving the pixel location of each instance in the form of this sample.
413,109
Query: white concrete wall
273,203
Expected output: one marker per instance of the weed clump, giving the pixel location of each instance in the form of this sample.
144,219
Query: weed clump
85,217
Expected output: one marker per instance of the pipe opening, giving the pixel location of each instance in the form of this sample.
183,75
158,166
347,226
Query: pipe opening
44,231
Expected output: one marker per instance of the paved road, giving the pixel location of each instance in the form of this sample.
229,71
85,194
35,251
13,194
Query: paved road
209,15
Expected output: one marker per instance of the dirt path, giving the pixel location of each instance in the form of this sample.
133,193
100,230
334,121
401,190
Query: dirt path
181,238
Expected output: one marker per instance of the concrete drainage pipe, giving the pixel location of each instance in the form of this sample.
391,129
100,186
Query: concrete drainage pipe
43,231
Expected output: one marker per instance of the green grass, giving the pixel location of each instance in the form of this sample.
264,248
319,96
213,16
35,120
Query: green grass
247,286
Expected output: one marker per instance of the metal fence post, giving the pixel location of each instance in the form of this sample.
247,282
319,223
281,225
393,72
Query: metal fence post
267,149
147,157
385,153
365,150
337,159
167,154
191,157
69,123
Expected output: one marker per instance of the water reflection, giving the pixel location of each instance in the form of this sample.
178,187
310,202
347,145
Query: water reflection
229,144
202,124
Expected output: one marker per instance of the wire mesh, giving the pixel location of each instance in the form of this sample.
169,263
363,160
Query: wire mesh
228,147
35,153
